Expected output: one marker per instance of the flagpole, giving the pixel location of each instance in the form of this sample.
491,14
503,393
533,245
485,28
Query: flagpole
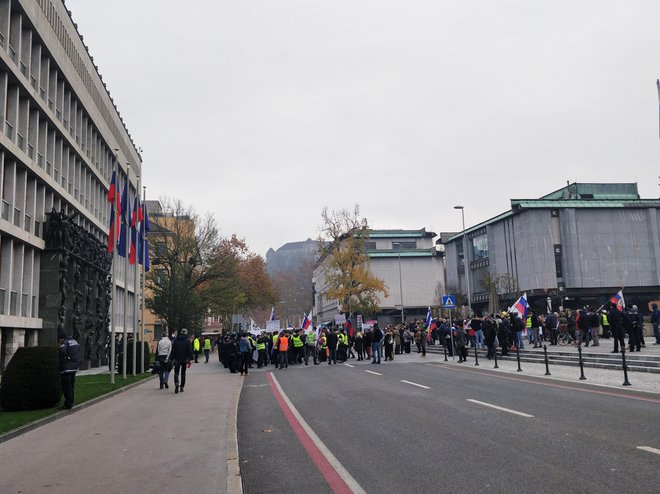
136,277
126,266
144,198
114,281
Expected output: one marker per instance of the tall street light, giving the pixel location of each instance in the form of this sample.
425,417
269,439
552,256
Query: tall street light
466,264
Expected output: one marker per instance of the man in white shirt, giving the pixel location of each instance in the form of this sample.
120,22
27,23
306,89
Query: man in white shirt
163,357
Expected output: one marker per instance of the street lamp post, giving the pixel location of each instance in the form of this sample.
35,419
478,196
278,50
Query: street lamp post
401,288
466,264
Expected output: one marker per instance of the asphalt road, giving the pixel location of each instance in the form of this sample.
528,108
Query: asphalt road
394,436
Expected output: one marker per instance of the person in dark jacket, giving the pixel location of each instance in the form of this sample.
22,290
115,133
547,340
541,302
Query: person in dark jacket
504,333
615,319
182,355
332,340
635,336
69,362
490,331
655,322
377,336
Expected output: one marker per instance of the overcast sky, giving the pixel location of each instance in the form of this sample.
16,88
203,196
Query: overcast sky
265,111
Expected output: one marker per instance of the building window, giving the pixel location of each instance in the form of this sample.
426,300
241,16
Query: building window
480,247
404,245
370,245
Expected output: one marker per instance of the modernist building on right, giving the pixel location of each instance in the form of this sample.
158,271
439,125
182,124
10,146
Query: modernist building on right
576,246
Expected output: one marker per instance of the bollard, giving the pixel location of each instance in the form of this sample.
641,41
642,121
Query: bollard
518,358
444,346
582,378
545,356
496,367
476,355
625,367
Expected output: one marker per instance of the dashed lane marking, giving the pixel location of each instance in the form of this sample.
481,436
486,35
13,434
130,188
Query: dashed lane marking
374,373
349,365
649,449
501,408
415,384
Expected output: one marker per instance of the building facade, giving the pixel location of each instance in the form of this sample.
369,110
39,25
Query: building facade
62,138
409,264
573,247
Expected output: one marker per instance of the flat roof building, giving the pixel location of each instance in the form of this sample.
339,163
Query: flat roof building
61,138
409,264
573,247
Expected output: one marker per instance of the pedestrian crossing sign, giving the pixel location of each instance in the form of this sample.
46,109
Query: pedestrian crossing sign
449,301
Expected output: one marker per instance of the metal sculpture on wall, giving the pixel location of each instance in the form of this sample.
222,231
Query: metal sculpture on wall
84,285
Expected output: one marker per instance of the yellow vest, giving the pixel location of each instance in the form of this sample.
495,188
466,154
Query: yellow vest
297,342
605,321
529,322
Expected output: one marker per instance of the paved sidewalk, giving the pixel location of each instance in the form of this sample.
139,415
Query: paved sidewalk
141,440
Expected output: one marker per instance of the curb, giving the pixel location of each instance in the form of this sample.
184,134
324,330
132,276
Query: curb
234,479
56,416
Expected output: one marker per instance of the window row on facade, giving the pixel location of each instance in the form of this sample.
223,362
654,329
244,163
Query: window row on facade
19,278
36,132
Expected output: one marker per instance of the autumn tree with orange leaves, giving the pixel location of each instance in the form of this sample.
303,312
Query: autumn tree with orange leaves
348,277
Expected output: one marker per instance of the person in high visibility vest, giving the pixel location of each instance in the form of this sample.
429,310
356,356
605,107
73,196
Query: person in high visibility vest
283,349
605,322
207,349
322,347
298,345
261,350
253,347
196,348
274,353
310,347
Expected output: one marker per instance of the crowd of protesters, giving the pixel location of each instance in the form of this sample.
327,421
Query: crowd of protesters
330,344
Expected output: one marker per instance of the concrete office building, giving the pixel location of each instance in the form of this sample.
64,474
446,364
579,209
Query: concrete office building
62,136
573,247
409,264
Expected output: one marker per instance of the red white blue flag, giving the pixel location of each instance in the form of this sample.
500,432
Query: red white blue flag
124,214
306,322
349,326
617,299
521,306
272,313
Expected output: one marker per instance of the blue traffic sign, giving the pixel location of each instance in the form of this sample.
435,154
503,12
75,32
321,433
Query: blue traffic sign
449,301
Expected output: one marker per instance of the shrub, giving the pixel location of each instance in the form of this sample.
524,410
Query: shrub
129,358
31,381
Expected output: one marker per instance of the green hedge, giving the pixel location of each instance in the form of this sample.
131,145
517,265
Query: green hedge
129,358
31,381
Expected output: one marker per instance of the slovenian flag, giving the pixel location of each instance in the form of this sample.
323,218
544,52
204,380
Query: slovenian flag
272,313
123,219
349,326
143,240
618,300
135,219
427,323
306,322
112,230
521,306
112,191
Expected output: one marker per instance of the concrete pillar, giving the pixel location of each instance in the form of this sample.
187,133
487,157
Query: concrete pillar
32,337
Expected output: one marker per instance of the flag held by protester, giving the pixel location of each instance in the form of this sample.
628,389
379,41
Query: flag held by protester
617,299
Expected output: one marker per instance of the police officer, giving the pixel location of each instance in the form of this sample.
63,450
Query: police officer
261,350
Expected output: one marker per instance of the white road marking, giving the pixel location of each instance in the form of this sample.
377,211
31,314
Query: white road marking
501,408
339,468
649,449
349,365
372,372
415,384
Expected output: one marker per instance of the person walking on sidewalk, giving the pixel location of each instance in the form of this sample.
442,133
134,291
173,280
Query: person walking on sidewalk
182,354
196,348
68,360
615,318
245,349
163,352
207,349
